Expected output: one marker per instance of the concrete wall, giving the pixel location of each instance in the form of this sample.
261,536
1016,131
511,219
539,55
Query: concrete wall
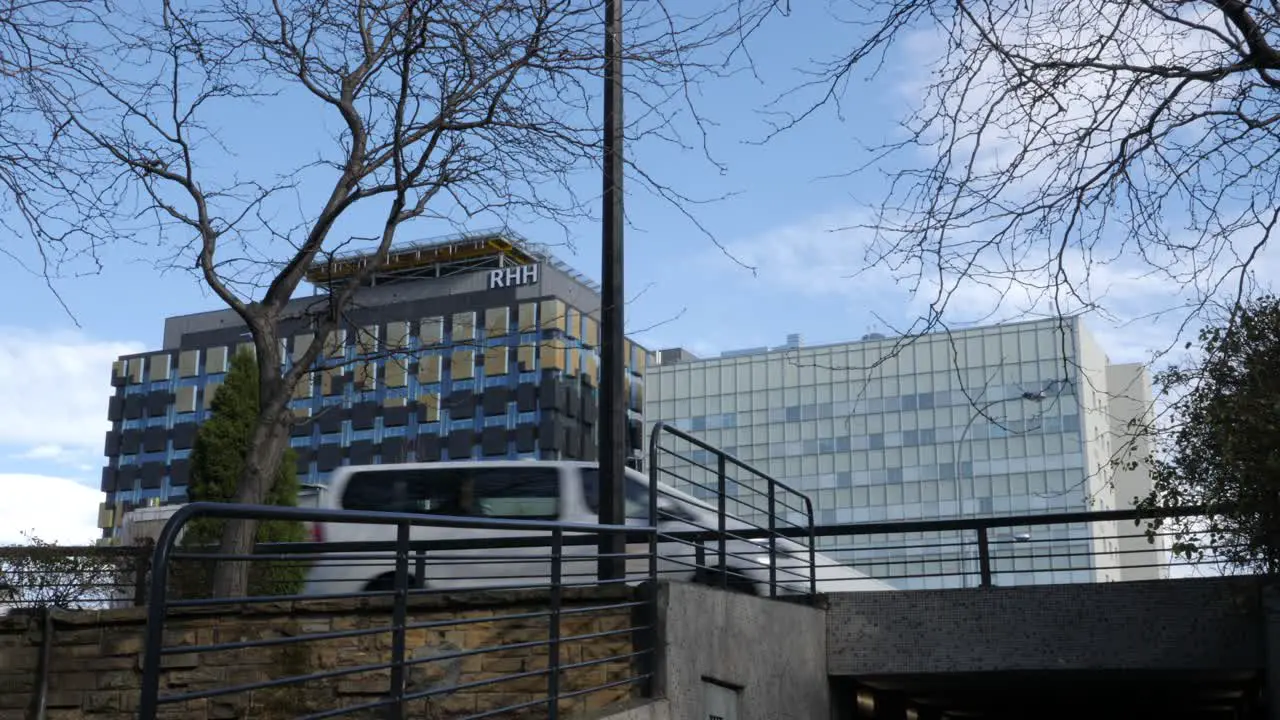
772,650
95,670
1193,624
1130,398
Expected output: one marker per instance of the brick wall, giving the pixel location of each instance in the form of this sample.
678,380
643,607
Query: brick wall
95,668
1192,624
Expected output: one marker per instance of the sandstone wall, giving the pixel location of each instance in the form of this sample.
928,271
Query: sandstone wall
95,668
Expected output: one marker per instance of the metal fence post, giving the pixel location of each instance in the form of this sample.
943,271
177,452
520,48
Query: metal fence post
399,615
721,510
653,500
773,542
984,558
157,607
553,645
813,551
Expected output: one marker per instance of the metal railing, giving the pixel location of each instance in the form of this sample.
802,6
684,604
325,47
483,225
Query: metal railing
67,577
1067,547
748,506
529,637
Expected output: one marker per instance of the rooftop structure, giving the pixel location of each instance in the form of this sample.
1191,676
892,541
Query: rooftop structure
443,257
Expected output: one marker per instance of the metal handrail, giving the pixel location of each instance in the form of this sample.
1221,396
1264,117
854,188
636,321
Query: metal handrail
772,533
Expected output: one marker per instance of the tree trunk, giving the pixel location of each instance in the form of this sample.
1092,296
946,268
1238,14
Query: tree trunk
262,460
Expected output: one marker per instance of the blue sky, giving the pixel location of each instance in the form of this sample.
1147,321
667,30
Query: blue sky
687,291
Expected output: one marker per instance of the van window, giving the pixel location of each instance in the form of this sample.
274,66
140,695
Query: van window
636,505
531,493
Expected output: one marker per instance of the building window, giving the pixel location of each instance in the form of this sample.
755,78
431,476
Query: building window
464,326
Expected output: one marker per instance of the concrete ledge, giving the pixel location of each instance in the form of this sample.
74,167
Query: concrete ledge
647,710
1193,624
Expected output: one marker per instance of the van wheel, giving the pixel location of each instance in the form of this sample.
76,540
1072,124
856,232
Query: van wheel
735,582
385,583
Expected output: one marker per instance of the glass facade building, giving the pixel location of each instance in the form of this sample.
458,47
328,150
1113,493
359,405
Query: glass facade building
481,346
1011,419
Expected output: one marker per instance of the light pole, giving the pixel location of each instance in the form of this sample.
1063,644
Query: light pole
613,362
957,452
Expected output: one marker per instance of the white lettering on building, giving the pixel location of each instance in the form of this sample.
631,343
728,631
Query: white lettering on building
514,276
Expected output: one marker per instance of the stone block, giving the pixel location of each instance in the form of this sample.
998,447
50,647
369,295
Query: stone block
179,661
80,680
64,698
107,702
117,679
17,658
122,644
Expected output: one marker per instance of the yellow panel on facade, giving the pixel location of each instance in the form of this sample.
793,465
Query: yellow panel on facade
430,407
215,360
431,331
185,401
573,322
463,364
247,347
590,331
329,384
335,344
552,313
158,366
395,374
526,358
106,516
395,402
572,365
551,355
118,369
642,360
367,340
305,387
495,361
210,389
397,335
366,375
301,344
592,374
301,413
429,369
497,321
464,326
189,363
527,320
135,370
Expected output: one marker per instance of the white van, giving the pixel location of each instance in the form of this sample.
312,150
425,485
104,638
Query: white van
538,490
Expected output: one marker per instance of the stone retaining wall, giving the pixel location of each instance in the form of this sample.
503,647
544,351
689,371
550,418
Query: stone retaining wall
95,668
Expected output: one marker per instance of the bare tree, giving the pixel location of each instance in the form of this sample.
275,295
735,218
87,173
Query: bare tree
53,222
435,111
1056,144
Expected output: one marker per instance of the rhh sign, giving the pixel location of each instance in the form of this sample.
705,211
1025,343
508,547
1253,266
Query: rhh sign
514,276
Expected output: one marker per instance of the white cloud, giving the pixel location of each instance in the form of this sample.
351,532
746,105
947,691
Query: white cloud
1132,308
55,509
43,452
54,389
